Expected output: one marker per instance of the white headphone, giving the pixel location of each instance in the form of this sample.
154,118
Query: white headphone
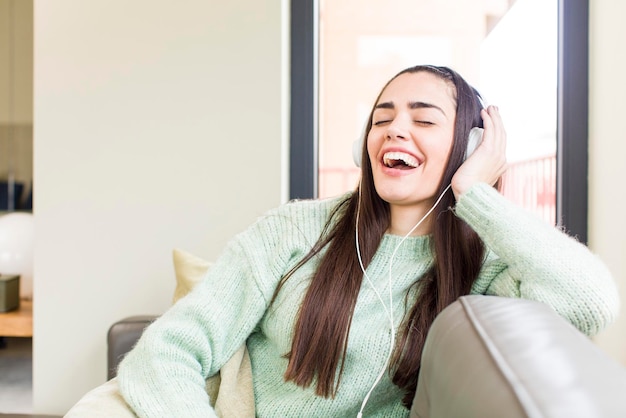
357,148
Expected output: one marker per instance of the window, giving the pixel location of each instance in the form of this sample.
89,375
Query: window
565,186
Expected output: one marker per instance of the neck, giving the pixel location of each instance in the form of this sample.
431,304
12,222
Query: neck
415,219
404,218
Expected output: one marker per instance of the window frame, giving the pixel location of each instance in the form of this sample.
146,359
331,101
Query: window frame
303,130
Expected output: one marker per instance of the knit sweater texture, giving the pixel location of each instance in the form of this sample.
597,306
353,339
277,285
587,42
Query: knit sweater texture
164,375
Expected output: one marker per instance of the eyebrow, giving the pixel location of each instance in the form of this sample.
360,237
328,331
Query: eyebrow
412,105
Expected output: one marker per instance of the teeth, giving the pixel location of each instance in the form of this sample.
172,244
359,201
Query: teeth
407,159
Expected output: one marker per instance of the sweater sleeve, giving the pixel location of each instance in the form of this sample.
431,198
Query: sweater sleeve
533,260
165,373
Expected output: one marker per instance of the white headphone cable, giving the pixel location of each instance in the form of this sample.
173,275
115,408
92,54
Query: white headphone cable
388,311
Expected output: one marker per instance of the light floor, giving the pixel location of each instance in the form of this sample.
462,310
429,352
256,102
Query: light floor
16,375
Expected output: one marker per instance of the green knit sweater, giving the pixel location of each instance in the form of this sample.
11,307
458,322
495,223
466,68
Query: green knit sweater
164,375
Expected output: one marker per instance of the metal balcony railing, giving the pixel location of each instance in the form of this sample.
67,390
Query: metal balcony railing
532,185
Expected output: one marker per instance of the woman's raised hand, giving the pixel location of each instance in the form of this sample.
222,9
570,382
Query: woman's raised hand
488,162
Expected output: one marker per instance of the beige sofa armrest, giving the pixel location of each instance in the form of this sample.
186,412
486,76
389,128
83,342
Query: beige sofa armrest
230,390
104,401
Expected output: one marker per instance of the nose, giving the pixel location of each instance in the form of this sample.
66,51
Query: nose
397,130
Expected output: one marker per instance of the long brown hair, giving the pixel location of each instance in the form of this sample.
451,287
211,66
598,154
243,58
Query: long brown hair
321,332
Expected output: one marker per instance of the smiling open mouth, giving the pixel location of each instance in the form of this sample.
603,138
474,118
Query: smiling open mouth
400,160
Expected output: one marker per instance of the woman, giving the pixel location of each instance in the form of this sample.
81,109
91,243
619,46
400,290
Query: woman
334,297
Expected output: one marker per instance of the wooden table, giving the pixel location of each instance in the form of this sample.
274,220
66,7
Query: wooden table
18,322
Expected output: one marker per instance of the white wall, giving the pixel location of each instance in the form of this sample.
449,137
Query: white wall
607,148
158,124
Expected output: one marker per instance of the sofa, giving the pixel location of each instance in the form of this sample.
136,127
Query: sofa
484,356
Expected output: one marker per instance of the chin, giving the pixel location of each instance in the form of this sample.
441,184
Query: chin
400,196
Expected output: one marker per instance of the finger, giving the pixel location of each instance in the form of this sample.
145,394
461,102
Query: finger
489,128
502,132
484,113
499,132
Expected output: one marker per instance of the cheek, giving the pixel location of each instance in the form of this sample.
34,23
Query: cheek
446,150
446,142
440,154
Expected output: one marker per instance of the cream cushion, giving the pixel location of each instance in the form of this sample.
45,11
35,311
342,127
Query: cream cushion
189,270
230,390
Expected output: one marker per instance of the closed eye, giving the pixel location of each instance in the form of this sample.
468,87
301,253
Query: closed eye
381,122
423,122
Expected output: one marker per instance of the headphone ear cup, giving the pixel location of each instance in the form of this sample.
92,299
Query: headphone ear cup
357,148
474,139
